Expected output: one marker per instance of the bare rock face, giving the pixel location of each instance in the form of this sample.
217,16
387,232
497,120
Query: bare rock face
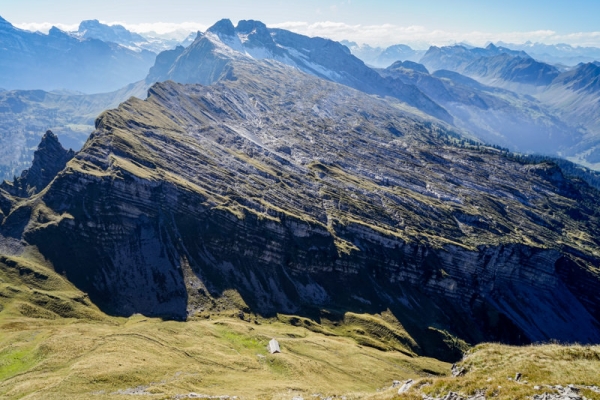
48,160
303,196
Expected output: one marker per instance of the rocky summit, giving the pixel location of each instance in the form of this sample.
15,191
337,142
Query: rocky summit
273,191
48,160
208,59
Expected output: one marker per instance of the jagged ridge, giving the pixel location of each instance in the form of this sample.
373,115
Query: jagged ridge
48,160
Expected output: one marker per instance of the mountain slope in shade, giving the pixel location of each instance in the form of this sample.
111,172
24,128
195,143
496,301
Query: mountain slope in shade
458,57
208,60
281,192
61,61
511,72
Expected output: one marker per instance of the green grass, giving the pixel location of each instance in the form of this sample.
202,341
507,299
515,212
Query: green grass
55,344
14,360
217,357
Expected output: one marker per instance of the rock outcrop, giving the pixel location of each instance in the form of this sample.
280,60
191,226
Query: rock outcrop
48,160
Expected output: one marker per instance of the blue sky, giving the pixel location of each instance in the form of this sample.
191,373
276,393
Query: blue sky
376,22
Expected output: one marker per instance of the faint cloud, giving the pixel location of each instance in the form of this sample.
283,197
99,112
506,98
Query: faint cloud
172,30
45,26
421,37
416,36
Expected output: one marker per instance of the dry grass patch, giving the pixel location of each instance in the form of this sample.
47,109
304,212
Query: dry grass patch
492,367
67,358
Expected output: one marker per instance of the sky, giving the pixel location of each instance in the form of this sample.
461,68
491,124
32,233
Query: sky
375,22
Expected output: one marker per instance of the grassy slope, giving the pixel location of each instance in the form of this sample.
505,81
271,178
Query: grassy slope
54,344
491,368
222,356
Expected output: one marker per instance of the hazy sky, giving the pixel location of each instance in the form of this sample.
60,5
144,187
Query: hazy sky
376,22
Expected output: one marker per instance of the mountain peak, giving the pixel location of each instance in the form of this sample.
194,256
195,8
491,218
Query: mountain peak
255,34
88,24
48,160
223,27
409,65
54,31
247,26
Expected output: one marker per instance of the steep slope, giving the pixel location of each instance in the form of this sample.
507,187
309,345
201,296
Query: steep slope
27,114
207,60
61,61
575,93
48,160
280,192
494,115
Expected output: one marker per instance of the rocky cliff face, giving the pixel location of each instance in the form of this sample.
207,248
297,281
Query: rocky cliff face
280,192
48,160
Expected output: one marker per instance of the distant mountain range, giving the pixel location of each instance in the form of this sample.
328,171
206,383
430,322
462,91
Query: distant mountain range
570,95
94,29
58,60
560,54
381,57
556,53
494,115
208,60
26,114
